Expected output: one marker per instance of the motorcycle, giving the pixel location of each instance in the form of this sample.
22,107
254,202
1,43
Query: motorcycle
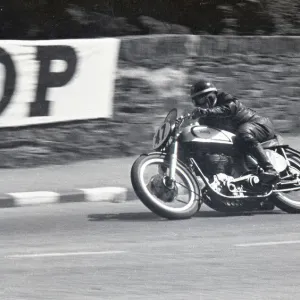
202,164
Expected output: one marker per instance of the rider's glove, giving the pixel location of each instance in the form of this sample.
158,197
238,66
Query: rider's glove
198,112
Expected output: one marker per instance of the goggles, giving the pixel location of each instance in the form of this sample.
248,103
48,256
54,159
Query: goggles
201,100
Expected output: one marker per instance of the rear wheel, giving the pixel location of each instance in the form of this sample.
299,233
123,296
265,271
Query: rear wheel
180,202
290,201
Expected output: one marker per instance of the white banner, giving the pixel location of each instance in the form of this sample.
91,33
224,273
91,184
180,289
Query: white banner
58,80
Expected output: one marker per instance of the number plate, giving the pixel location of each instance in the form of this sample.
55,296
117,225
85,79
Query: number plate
161,136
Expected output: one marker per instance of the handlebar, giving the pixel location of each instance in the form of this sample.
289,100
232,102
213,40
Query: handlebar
184,117
179,121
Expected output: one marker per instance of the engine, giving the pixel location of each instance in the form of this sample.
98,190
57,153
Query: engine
212,164
224,184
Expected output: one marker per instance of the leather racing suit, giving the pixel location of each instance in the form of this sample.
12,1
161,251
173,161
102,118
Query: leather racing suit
250,128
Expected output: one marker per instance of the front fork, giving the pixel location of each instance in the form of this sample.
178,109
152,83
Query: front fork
170,180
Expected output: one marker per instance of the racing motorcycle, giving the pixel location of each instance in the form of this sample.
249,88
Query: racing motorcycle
195,164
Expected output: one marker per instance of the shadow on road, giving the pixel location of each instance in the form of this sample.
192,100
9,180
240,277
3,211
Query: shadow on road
141,216
216,214
149,216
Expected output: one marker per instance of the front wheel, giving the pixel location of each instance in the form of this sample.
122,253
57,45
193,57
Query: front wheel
152,191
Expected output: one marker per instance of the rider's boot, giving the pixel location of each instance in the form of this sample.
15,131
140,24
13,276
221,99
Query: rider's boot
269,174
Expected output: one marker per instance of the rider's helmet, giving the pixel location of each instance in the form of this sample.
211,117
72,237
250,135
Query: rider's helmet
204,94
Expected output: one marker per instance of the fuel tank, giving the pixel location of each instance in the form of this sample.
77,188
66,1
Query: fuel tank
207,139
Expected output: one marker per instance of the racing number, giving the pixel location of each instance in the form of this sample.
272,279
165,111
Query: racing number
161,135
158,139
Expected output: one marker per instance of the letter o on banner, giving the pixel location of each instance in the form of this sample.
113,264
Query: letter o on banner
10,79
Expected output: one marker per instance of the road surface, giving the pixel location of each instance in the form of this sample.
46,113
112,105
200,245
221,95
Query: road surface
95,251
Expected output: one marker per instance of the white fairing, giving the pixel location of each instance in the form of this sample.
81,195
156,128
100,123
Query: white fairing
277,160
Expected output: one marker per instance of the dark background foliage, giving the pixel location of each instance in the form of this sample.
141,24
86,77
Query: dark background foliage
51,19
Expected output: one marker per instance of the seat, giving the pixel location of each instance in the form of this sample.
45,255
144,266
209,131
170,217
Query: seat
277,141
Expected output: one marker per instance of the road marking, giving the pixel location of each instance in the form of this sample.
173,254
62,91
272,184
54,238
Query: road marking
62,254
268,244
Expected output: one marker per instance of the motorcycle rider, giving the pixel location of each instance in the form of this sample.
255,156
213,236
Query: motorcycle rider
225,111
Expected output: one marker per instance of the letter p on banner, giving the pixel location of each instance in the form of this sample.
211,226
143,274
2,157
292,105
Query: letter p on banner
58,80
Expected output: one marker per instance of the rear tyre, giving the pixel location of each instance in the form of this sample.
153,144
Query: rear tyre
282,199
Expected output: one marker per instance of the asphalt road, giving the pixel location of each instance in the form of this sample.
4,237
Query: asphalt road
92,251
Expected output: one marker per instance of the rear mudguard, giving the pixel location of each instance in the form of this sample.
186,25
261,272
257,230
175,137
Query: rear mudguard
292,151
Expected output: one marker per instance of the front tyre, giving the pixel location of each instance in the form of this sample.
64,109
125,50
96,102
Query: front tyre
161,205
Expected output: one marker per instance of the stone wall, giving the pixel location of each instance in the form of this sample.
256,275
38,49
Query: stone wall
154,73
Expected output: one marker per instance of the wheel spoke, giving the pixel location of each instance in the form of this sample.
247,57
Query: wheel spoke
181,201
160,194
186,188
182,185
